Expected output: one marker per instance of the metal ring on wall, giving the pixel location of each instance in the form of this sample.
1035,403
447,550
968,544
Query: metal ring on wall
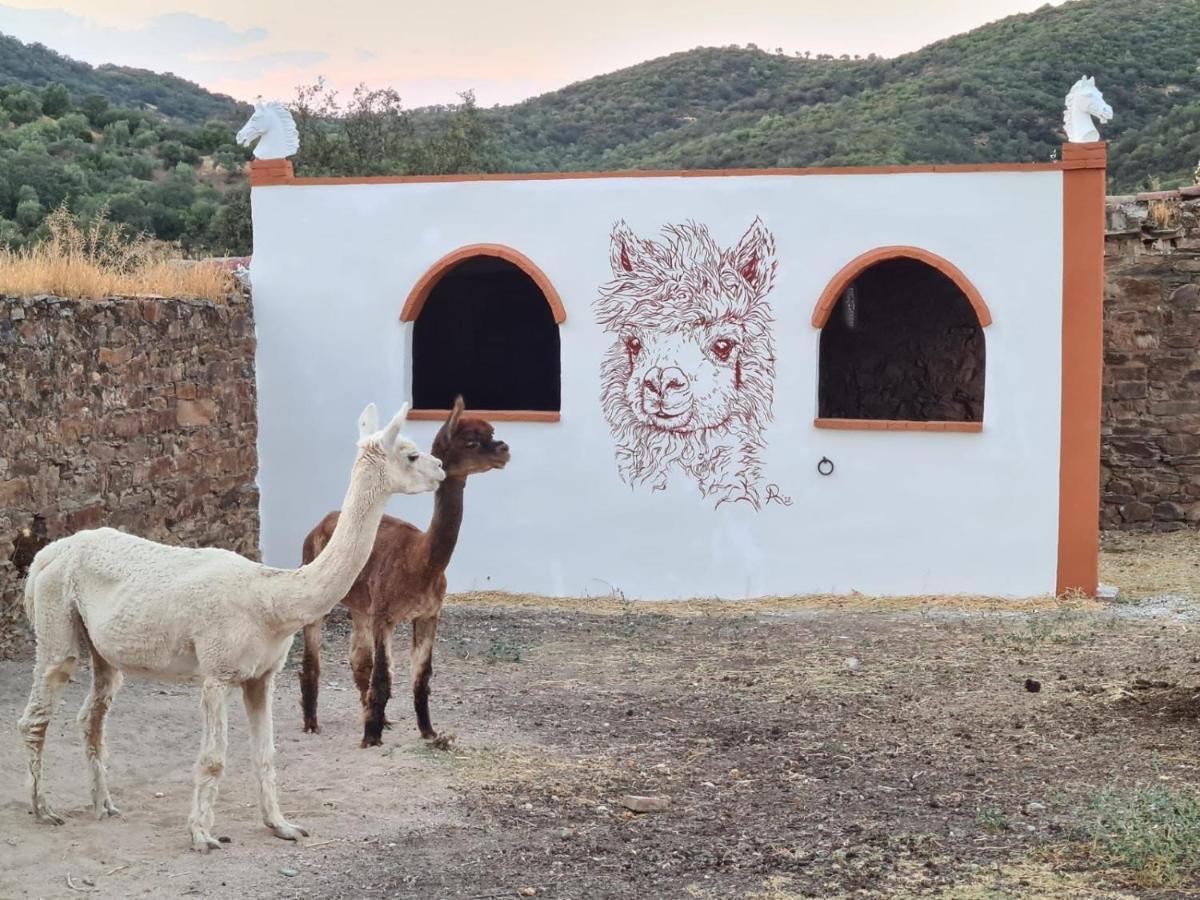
825,466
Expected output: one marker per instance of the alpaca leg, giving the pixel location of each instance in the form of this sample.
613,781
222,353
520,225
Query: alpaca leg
257,697
381,688
50,676
57,627
361,657
106,681
310,676
210,764
424,631
389,650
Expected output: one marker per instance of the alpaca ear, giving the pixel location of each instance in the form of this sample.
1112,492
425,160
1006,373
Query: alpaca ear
393,430
451,424
456,412
625,250
754,257
368,422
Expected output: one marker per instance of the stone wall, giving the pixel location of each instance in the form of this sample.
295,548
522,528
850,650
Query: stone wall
138,413
1150,474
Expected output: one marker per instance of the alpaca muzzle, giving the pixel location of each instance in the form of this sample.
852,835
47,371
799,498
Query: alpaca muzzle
665,393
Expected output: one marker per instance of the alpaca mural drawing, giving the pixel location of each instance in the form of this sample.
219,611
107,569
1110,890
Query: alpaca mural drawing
689,379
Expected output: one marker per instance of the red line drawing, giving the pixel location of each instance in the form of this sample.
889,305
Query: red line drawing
689,379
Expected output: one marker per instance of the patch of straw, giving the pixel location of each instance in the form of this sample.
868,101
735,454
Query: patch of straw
1152,565
609,605
1030,878
100,261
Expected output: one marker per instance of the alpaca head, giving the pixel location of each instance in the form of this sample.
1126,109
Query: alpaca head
404,468
467,446
692,349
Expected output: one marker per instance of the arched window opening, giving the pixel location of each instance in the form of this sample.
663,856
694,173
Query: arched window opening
485,328
903,345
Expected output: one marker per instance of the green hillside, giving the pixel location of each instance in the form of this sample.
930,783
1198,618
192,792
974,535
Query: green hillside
36,66
992,94
181,183
159,153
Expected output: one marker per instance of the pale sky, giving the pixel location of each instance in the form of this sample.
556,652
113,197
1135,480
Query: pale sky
506,50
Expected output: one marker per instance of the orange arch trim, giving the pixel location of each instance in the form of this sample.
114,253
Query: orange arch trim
424,287
843,279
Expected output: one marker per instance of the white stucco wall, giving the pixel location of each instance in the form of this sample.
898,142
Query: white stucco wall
904,513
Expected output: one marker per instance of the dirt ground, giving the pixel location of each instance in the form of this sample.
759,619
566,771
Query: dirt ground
808,748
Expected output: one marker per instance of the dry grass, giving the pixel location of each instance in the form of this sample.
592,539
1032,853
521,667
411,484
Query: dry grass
616,605
1009,881
1164,213
1032,878
1152,565
100,261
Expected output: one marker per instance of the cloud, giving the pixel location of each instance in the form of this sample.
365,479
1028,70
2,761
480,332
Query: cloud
196,32
198,47
364,55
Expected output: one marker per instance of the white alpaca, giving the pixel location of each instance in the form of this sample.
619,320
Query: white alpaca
172,613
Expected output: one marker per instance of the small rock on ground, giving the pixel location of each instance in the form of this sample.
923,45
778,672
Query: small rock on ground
645,804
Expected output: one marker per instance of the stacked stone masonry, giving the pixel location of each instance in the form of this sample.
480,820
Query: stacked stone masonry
1150,456
134,413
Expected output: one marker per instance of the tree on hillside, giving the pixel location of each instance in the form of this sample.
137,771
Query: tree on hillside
229,229
373,134
94,106
463,143
230,158
22,106
55,100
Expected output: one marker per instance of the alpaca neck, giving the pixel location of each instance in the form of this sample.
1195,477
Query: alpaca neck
318,587
446,522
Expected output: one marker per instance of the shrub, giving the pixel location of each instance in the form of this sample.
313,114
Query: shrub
1154,833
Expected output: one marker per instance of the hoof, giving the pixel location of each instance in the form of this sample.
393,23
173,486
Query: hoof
372,740
312,728
203,842
428,734
287,831
107,808
44,814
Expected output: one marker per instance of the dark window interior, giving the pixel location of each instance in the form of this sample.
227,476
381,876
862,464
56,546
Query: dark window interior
486,332
902,343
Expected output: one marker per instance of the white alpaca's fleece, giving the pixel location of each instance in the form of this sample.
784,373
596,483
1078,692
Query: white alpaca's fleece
175,613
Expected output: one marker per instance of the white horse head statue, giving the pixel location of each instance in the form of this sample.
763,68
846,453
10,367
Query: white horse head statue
274,125
1083,102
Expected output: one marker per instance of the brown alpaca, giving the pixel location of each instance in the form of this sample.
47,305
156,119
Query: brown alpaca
404,580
